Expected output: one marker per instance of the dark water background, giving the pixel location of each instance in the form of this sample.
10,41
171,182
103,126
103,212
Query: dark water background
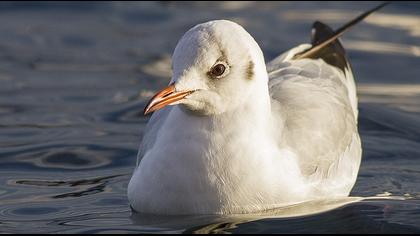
74,78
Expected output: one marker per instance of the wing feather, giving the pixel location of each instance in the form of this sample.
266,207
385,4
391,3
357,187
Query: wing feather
315,99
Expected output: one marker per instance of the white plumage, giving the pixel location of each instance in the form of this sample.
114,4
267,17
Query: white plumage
251,140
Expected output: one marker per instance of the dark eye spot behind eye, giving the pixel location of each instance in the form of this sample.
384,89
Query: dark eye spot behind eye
218,70
250,70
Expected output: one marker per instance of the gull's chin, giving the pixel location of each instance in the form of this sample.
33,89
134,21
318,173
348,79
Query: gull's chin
203,103
199,108
193,108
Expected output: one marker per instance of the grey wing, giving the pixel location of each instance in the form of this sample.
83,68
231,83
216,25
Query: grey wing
315,99
151,131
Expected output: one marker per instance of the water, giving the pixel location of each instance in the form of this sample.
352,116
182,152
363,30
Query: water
74,79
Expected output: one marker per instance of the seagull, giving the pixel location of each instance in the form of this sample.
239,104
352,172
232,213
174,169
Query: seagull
232,135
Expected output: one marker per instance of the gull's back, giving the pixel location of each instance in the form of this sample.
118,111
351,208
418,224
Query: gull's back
316,101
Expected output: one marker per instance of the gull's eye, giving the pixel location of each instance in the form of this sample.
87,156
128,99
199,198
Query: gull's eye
219,70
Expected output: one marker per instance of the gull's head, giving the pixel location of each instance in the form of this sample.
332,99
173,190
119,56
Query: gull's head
216,67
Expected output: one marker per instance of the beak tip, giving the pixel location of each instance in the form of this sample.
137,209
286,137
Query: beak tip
146,111
167,96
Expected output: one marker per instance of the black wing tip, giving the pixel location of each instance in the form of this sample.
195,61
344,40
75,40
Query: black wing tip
319,26
333,53
320,32
325,42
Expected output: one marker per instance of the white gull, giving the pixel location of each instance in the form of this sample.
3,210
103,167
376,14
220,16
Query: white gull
240,139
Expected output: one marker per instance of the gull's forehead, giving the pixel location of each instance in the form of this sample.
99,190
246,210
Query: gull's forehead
215,33
206,42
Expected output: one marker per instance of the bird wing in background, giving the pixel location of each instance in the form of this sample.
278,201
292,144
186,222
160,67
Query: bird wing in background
313,92
316,99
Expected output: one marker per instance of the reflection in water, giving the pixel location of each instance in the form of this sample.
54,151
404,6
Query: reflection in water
72,183
228,222
74,79
344,215
99,185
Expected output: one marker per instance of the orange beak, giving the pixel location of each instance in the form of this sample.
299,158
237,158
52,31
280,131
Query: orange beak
165,97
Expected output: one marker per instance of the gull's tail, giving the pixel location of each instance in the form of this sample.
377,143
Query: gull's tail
323,41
